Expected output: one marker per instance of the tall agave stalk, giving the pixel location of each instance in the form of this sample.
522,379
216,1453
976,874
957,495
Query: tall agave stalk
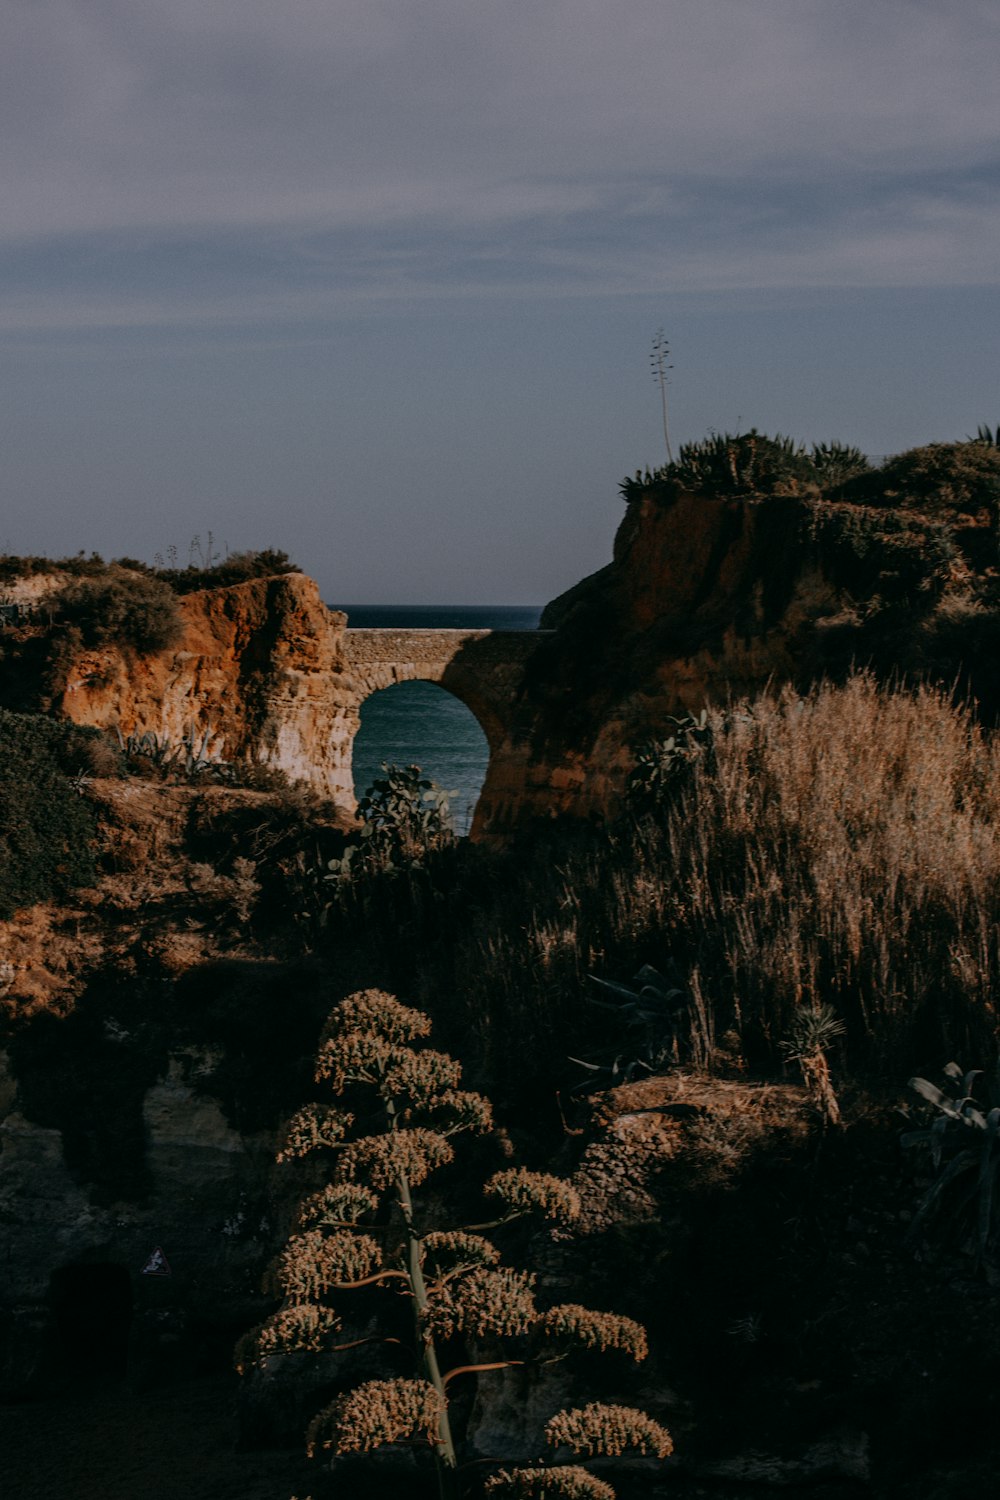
365,1229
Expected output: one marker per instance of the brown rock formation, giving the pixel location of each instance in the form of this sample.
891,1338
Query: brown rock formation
259,671
709,597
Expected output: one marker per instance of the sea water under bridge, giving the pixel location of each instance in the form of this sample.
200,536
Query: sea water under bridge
482,668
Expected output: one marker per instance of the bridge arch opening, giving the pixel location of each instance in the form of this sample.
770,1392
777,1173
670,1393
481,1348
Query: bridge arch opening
420,723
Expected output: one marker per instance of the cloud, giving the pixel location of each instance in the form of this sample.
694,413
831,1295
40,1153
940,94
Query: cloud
295,156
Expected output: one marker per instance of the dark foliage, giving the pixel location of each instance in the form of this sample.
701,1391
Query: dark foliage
893,557
135,612
46,828
943,480
80,566
238,567
745,463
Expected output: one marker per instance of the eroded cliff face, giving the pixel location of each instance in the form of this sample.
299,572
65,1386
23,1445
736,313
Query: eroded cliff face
259,671
705,597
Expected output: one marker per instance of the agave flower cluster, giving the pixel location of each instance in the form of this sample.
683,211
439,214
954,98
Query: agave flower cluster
364,1228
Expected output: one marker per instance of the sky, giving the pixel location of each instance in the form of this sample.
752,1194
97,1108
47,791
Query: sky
377,281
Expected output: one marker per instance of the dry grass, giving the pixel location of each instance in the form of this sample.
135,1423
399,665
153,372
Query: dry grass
843,848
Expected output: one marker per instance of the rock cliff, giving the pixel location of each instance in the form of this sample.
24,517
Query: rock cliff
710,597
707,596
258,675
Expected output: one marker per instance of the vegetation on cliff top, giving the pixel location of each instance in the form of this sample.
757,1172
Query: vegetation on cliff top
236,567
46,827
91,603
939,478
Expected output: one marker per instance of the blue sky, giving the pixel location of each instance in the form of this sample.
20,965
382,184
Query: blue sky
376,280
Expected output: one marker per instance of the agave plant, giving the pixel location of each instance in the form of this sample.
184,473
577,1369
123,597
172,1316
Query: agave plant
186,758
835,463
743,463
650,1009
964,1144
660,764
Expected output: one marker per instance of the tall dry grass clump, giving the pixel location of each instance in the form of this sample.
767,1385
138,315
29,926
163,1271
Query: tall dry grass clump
840,849
843,849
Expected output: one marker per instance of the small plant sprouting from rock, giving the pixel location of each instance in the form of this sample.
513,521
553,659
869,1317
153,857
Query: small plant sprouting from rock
964,1146
814,1032
399,1109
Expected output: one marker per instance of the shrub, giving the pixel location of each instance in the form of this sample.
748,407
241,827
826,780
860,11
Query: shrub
130,611
746,463
888,556
46,828
238,567
404,820
944,480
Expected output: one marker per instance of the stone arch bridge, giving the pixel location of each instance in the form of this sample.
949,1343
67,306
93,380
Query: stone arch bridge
484,669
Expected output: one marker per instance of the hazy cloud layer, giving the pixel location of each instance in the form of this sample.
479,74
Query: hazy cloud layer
201,160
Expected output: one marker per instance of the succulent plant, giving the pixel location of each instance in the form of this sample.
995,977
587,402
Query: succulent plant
964,1145
650,1010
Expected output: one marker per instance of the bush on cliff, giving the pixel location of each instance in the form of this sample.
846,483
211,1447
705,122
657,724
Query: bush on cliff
46,827
238,567
133,611
942,480
945,481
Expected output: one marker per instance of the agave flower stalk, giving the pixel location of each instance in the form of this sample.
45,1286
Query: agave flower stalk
453,1278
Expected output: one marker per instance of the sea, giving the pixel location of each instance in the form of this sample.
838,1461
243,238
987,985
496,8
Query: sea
419,723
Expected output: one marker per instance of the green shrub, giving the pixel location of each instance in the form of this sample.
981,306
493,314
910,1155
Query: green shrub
133,612
873,553
238,567
746,463
81,566
943,480
46,828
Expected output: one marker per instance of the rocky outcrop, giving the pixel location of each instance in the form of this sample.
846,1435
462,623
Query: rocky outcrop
707,596
205,1210
258,675
712,597
265,673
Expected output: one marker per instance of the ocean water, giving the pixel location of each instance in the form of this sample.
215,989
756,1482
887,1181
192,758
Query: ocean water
420,724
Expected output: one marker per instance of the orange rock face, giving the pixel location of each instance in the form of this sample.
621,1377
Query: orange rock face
705,597
258,675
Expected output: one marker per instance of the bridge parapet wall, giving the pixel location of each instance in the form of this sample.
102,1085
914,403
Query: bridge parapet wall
370,646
